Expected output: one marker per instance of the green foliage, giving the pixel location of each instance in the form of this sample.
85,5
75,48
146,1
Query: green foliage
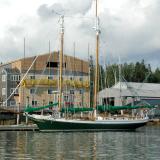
132,72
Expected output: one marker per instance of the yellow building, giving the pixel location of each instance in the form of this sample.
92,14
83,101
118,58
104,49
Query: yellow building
40,85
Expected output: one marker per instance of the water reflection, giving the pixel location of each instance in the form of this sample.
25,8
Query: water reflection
143,144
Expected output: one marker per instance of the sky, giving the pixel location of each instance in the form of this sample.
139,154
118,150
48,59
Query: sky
130,29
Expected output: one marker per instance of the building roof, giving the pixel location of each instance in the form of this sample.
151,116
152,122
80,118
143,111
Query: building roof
70,63
139,86
12,70
130,89
40,55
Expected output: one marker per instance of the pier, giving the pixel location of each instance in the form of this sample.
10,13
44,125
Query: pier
20,127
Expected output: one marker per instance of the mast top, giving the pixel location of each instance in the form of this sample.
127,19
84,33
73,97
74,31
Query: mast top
62,24
96,27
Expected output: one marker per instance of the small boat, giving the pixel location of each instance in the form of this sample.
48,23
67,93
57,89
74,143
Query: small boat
57,122
49,123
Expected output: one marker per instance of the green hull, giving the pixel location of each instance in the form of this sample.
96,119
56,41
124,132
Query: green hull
75,125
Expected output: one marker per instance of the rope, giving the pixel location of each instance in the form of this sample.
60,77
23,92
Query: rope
22,79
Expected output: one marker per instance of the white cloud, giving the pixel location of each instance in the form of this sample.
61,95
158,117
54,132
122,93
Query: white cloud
129,28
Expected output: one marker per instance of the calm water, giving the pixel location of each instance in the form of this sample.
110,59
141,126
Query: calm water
143,144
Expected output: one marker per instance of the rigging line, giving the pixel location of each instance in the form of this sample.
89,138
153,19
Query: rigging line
36,88
24,55
44,68
22,79
71,96
132,91
42,73
50,67
146,78
74,69
25,76
69,16
34,70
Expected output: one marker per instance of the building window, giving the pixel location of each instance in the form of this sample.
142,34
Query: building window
81,91
50,102
66,98
50,77
52,64
55,97
12,78
81,79
32,91
12,103
72,91
3,91
12,90
3,78
15,77
34,103
50,91
32,77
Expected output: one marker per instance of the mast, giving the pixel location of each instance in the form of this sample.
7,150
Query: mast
61,62
23,69
49,49
97,58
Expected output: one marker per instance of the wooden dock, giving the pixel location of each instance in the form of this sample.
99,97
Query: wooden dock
18,128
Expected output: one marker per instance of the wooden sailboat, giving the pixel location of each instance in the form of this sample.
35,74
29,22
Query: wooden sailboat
57,123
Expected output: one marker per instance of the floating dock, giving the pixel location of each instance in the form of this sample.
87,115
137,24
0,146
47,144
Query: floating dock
18,128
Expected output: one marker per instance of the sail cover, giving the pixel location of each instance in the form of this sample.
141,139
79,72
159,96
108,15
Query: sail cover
32,109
